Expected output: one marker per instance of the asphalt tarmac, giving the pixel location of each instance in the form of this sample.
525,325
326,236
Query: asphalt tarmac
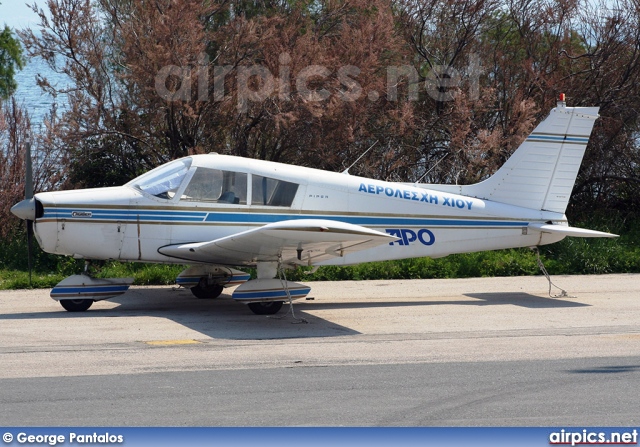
465,352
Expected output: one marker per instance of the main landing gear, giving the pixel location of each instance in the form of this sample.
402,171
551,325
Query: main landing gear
76,305
266,294
266,308
206,291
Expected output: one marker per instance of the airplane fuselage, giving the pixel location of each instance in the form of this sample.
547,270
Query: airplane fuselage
131,224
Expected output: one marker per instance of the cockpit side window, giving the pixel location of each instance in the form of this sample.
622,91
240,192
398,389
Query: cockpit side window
214,185
164,181
271,192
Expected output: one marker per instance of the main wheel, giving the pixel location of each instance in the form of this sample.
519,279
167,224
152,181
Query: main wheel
266,308
205,291
76,305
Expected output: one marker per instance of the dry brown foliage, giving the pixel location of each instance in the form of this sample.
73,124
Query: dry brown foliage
474,79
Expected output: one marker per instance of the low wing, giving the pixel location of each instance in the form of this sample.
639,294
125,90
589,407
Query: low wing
304,242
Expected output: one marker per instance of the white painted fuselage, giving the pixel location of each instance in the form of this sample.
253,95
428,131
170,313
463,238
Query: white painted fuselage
126,223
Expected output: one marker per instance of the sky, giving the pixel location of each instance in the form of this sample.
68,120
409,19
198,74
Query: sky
17,14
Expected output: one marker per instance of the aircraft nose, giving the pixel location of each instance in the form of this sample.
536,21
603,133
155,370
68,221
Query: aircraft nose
25,210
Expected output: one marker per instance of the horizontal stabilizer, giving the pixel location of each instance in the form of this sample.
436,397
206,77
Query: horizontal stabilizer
569,231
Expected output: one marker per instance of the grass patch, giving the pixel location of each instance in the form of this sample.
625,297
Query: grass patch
143,274
16,279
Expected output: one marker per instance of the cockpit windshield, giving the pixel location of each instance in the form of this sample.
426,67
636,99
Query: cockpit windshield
164,181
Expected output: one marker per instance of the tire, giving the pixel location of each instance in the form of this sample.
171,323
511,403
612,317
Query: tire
266,308
206,292
76,305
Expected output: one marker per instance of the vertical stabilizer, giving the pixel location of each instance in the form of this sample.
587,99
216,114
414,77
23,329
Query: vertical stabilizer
541,173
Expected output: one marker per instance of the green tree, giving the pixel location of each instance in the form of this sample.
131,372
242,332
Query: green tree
10,59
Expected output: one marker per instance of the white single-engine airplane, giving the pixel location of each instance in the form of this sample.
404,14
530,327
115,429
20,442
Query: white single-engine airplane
214,212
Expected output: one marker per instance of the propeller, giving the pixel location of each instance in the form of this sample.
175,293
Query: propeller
26,210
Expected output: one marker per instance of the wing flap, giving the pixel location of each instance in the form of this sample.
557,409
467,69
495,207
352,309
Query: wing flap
304,242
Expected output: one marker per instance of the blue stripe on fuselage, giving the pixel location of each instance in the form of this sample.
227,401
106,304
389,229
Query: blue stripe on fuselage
237,218
127,215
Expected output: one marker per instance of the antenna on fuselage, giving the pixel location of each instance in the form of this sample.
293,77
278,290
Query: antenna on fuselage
346,171
432,168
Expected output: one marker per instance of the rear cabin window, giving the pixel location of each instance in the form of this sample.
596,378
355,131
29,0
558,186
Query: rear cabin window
214,185
271,192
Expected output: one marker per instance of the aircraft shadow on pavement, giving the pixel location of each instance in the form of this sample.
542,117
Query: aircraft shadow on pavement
223,318
524,300
220,318
520,299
